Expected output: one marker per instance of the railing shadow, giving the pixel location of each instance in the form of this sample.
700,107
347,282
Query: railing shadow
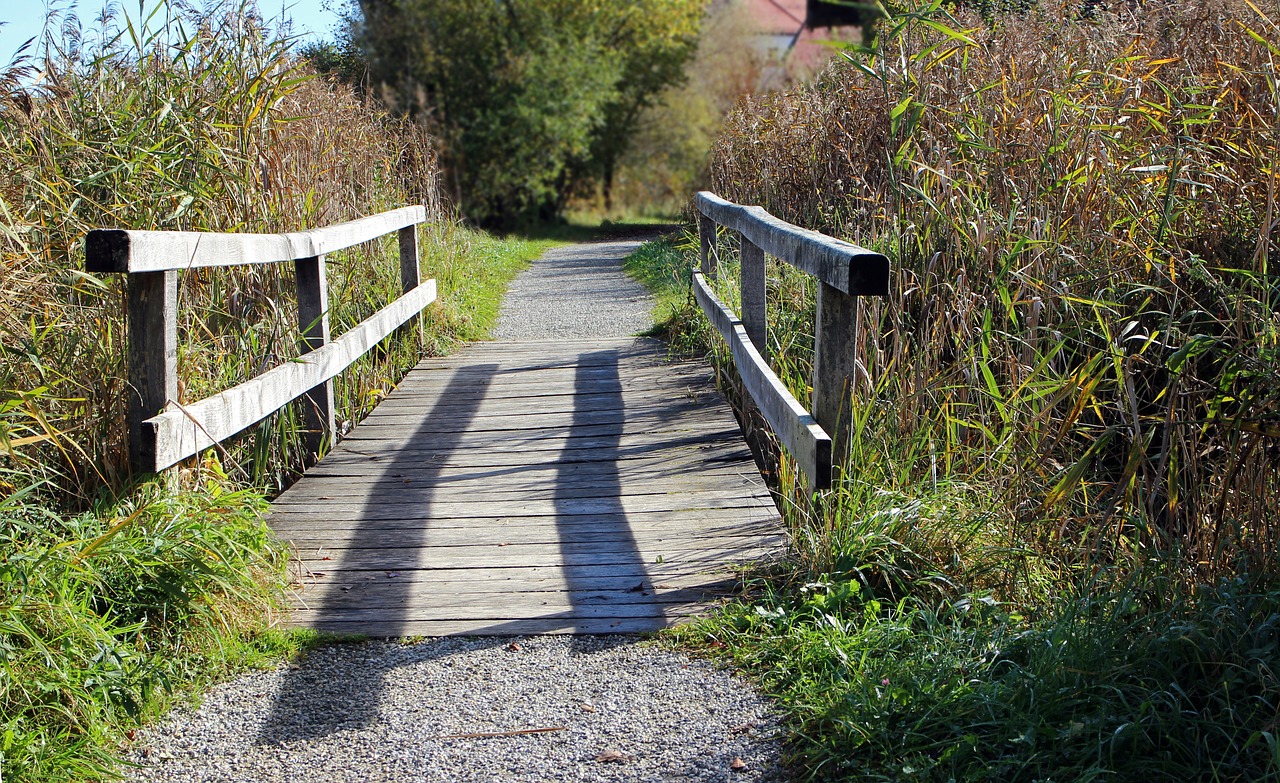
599,556
354,699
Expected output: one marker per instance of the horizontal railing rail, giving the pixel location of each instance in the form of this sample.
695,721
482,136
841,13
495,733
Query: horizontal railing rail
163,431
844,271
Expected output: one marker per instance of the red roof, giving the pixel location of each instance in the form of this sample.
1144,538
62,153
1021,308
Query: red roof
778,16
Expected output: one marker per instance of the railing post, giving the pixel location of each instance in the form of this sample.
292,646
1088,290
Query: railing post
835,363
707,241
410,274
313,323
153,359
752,286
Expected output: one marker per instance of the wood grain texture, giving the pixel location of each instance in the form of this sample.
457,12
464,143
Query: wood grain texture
808,443
835,365
751,285
113,250
181,433
615,495
152,327
313,324
847,267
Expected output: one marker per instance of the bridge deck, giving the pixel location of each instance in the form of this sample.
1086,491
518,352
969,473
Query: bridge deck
583,486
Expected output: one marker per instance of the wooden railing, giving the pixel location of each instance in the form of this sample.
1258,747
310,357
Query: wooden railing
844,273
163,432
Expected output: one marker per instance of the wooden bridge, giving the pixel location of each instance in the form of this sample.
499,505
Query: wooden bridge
567,486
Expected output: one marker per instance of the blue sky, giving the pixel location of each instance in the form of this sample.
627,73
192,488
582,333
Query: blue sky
25,18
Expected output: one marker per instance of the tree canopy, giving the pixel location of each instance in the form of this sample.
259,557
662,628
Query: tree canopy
529,98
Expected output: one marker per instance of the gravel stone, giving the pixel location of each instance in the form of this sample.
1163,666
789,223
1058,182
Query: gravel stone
576,291
388,711
376,711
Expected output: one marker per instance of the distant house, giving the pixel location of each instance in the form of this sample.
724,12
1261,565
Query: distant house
787,49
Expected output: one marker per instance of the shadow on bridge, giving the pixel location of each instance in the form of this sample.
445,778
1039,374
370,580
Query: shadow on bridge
599,557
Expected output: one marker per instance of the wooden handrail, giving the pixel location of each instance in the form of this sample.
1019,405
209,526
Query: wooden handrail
114,250
844,272
161,431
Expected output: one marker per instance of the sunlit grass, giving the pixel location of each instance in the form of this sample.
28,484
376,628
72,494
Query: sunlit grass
116,597
1052,553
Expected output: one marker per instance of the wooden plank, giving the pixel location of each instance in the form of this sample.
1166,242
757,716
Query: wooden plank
363,438
506,384
570,558
300,518
545,532
511,610
512,421
587,486
423,599
839,264
410,467
313,324
835,365
113,250
794,426
496,424
513,578
628,445
321,485
501,371
377,589
461,583
392,506
152,329
587,399
564,625
181,433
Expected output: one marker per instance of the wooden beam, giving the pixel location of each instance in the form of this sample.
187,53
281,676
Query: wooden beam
798,431
707,244
318,423
841,265
752,288
181,433
410,276
152,331
835,365
114,250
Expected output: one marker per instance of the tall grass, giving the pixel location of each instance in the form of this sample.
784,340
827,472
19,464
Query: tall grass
1052,552
116,596
1080,217
191,121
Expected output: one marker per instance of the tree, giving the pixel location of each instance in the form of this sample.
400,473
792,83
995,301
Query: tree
527,97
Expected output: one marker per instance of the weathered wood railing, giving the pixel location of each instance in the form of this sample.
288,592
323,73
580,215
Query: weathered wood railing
163,432
844,273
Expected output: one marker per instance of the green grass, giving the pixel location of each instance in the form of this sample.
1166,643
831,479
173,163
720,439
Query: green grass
662,266
109,616
105,615
1095,687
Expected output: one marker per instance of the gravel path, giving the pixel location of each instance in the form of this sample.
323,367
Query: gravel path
619,709
382,711
576,291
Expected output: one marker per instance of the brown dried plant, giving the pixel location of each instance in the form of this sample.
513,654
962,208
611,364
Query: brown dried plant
1081,215
199,121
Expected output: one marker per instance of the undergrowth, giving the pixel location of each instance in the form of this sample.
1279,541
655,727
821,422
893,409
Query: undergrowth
119,596
1052,553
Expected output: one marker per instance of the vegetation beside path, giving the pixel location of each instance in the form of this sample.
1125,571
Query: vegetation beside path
1052,554
117,598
